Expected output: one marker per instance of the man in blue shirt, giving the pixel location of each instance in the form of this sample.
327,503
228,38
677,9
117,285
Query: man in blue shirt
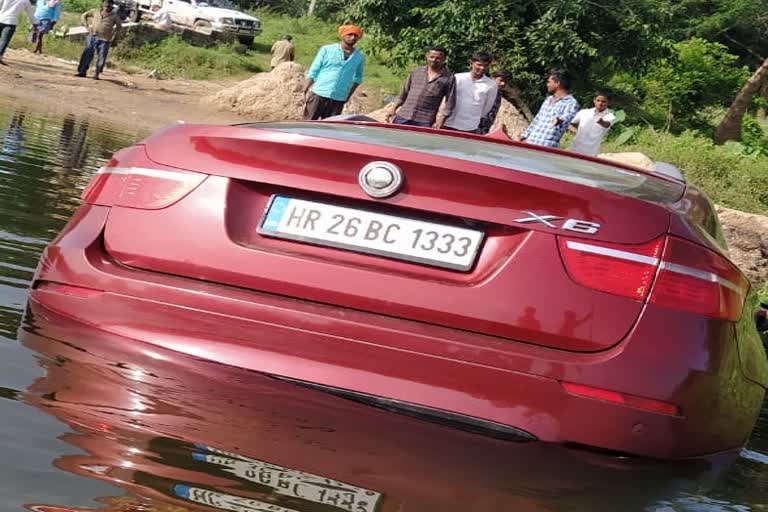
334,75
555,114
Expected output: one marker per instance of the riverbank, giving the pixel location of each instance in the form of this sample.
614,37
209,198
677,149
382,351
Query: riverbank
120,98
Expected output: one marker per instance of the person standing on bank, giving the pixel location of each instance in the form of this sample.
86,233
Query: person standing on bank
47,13
103,25
502,78
9,18
334,75
475,94
423,92
555,114
282,51
591,125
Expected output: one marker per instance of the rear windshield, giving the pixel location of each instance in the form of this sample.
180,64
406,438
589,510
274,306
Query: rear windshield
602,176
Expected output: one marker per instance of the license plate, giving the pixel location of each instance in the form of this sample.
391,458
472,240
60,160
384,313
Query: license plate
428,243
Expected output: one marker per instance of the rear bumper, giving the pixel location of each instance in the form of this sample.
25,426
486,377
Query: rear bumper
693,365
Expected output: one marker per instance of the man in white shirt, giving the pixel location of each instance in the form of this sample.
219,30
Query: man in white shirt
9,18
475,94
591,125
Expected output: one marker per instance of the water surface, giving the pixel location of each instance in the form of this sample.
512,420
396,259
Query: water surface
93,421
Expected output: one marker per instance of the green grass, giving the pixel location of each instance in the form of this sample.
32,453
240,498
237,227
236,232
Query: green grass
174,58
732,180
762,293
309,34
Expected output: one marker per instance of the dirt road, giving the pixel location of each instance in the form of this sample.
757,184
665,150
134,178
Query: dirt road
129,100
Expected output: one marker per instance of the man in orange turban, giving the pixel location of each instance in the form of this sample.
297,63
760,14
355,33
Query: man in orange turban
350,29
334,75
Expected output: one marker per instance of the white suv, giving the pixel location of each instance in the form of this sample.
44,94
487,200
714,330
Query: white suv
208,17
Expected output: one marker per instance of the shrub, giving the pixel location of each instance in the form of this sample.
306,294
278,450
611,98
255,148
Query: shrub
676,90
728,178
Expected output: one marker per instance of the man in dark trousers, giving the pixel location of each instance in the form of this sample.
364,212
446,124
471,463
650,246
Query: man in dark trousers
423,92
103,25
334,75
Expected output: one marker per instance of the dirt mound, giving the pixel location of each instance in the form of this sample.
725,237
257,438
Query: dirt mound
508,117
274,96
747,237
630,158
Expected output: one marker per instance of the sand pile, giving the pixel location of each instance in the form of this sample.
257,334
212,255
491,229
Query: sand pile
273,96
508,117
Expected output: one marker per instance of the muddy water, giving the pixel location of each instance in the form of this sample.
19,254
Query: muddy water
90,420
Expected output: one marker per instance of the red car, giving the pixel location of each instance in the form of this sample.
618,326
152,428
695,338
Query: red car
521,292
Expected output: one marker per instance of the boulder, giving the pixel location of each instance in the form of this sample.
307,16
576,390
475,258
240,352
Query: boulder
747,237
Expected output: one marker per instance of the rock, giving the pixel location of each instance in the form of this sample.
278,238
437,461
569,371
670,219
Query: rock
747,237
277,95
510,119
635,159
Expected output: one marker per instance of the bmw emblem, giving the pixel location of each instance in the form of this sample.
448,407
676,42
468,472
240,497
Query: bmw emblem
380,179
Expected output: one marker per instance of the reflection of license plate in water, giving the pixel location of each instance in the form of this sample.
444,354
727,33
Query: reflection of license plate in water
294,483
224,501
430,243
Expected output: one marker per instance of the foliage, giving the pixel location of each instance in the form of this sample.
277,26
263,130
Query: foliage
762,294
675,90
173,57
80,6
289,7
742,25
753,137
729,179
526,37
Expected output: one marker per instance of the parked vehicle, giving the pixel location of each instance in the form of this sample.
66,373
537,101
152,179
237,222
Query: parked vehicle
519,291
207,17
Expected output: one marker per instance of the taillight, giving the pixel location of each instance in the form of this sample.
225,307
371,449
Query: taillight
130,179
690,277
606,395
620,269
700,281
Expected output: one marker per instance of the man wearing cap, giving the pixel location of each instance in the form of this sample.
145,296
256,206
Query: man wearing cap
334,75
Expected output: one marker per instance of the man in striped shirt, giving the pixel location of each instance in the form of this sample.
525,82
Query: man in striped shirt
423,92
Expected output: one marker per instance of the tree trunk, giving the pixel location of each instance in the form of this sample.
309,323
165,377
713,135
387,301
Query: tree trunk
762,112
730,127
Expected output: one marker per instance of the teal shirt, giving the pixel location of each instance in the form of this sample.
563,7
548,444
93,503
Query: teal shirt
333,76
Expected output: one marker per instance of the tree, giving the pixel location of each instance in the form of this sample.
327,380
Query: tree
730,127
741,25
527,37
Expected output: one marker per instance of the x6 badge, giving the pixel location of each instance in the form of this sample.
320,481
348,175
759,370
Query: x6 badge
579,226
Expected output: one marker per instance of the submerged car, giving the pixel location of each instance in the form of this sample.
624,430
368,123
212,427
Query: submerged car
521,292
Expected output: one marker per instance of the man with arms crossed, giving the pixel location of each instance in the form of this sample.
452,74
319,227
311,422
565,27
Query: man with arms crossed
423,92
475,94
334,75
555,114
